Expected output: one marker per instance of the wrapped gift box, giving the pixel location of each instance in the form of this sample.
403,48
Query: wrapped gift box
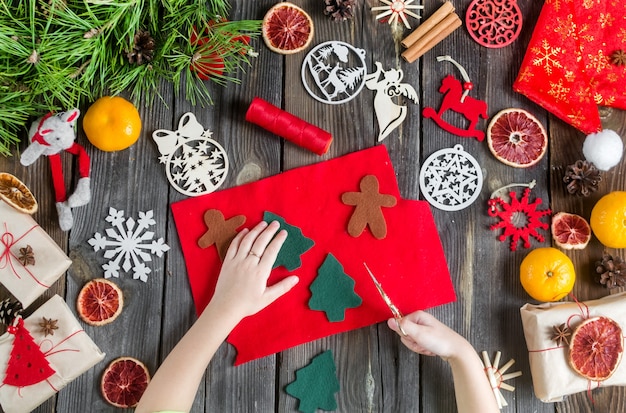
553,378
69,353
27,282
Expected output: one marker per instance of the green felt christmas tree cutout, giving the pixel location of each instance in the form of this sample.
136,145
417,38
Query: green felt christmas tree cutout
333,290
295,245
316,384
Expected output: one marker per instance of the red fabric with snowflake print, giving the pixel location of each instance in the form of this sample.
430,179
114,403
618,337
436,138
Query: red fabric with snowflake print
567,68
409,261
27,364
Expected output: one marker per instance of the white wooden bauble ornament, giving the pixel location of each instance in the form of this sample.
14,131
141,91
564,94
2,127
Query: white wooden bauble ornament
451,179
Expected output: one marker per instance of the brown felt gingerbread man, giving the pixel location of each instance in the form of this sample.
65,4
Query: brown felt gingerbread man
220,231
367,211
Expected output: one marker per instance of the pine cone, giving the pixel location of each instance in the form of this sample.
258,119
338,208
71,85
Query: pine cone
143,48
611,271
339,10
582,178
9,309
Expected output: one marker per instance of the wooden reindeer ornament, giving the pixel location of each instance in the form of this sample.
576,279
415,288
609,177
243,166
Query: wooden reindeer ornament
50,135
457,100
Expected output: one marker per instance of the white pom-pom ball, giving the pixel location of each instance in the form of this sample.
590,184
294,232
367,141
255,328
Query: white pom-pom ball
604,149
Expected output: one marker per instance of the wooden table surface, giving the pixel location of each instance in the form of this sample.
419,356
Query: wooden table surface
377,373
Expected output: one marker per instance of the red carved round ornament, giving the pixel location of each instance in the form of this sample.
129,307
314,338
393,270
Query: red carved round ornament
493,23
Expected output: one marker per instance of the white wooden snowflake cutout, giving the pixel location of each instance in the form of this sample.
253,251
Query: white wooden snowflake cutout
195,164
130,243
451,179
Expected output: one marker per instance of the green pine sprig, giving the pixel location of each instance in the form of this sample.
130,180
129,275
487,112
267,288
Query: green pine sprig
58,54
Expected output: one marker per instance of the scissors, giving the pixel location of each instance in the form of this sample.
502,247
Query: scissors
394,310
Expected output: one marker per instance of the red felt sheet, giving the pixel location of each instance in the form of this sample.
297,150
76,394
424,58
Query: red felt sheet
409,262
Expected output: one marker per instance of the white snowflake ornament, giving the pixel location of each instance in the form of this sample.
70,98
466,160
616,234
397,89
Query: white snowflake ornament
451,179
195,164
128,242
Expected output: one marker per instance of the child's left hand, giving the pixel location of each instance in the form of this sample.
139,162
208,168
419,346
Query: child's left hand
242,287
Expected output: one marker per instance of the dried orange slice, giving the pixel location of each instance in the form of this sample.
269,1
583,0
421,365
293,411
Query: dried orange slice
596,348
99,302
516,138
287,29
15,193
124,381
570,231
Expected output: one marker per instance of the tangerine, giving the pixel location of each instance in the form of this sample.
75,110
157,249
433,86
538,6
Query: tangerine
547,274
608,219
99,302
112,123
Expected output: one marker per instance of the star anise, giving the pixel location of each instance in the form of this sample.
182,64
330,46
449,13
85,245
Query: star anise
582,178
48,326
561,334
611,271
618,58
27,256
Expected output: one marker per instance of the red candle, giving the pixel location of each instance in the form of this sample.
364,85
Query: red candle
288,126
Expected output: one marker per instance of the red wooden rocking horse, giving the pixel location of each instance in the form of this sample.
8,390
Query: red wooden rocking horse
457,100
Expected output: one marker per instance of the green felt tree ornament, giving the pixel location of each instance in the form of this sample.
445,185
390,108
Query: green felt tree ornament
333,290
295,245
316,384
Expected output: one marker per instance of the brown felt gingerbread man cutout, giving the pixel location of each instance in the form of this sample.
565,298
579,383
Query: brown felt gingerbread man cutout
367,211
220,231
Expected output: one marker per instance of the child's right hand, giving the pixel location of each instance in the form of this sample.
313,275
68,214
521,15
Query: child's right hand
427,335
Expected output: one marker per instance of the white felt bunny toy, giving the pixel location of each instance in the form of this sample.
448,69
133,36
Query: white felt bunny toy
50,135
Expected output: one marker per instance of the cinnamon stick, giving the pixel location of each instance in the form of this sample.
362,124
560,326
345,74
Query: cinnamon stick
432,38
428,24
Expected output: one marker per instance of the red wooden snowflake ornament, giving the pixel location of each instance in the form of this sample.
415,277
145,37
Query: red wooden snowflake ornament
494,23
519,218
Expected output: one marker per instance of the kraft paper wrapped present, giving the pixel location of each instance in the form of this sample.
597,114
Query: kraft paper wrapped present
27,282
58,358
553,378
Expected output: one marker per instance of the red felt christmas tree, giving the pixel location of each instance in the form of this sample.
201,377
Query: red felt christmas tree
27,364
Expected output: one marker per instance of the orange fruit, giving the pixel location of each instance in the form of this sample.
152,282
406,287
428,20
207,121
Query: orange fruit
608,219
15,193
112,123
547,274
124,381
99,302
596,348
570,231
516,138
287,29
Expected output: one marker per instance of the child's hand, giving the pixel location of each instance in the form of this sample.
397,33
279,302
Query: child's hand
242,289
427,335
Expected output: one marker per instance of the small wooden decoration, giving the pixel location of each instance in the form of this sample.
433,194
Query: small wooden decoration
451,179
497,377
389,114
195,164
397,9
334,72
457,100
